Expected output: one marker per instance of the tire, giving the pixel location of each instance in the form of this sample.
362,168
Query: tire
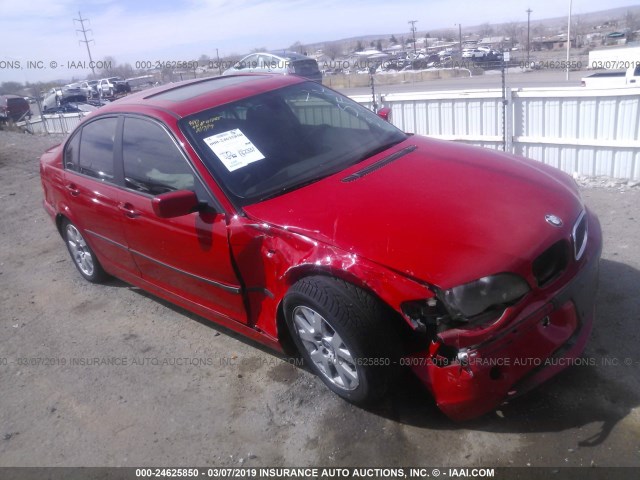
340,331
82,255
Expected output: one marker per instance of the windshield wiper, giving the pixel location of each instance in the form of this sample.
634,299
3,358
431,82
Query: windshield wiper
379,164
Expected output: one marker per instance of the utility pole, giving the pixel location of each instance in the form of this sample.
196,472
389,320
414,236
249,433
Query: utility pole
504,105
413,31
569,38
85,41
528,34
460,36
218,60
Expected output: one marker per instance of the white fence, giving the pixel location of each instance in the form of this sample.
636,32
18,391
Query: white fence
589,131
59,123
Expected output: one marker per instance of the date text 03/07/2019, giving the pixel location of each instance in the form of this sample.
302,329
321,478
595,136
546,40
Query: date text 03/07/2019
317,473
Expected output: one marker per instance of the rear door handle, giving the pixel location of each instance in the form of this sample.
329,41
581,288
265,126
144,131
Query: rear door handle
73,189
128,210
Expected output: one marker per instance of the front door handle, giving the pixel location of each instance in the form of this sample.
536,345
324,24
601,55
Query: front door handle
73,189
128,210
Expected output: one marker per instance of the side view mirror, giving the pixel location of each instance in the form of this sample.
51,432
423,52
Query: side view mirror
175,204
385,114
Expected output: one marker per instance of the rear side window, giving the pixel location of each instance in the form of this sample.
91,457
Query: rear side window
248,62
152,162
305,67
16,102
96,149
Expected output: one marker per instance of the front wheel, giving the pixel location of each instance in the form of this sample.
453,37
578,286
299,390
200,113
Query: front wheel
340,331
83,257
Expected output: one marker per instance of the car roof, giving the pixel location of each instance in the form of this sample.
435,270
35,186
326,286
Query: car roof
290,55
185,98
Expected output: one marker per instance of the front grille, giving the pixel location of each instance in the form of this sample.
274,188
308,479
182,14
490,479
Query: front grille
551,263
579,236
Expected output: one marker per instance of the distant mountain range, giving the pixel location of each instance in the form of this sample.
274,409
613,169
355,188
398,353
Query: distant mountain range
598,17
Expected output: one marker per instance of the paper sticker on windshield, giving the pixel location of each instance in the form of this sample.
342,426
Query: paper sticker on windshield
234,149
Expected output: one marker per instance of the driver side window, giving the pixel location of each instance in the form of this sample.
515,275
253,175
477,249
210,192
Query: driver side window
247,63
152,162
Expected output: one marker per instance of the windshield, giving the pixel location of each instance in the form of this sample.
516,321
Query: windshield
265,145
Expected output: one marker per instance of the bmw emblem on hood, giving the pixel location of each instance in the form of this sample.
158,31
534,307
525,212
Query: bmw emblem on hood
553,220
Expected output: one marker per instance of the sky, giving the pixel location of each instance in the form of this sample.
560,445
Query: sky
43,32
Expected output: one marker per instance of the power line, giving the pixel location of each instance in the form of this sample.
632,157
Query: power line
85,41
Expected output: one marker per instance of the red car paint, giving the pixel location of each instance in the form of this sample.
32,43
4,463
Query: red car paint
440,216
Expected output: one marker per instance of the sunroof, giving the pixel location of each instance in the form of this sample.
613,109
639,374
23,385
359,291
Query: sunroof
186,92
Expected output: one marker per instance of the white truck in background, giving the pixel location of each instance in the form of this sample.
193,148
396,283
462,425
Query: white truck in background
630,78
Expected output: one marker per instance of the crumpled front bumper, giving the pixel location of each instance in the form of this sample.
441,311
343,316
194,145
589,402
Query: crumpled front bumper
528,352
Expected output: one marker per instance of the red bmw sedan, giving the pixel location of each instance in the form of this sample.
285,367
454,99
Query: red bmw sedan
285,211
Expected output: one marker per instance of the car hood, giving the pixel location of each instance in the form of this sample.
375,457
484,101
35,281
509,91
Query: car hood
442,212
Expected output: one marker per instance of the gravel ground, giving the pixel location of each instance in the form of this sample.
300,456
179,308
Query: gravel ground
192,393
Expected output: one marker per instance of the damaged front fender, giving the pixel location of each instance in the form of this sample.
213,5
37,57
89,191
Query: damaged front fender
269,259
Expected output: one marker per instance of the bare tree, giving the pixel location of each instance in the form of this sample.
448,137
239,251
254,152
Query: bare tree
113,69
511,30
10,87
486,30
125,71
332,50
539,29
109,67
166,75
298,48
631,21
579,29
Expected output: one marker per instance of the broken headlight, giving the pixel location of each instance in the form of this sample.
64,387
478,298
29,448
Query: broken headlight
485,294
475,303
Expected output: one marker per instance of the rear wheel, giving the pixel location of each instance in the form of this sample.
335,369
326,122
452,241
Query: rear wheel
340,331
83,257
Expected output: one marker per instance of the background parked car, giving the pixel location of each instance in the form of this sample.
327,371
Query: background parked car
61,96
90,87
14,108
473,53
109,87
83,87
285,63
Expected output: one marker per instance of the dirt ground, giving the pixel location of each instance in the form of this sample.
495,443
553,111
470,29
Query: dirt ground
188,393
